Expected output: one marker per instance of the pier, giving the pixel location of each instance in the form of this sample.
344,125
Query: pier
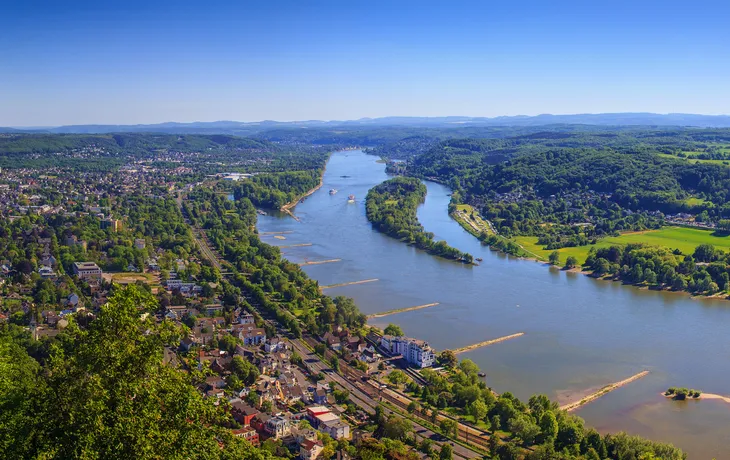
300,245
487,343
401,310
319,262
348,284
276,233
603,391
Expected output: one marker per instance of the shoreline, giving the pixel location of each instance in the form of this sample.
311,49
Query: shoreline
467,227
291,205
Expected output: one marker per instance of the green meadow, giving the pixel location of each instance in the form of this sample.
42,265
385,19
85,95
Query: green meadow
683,238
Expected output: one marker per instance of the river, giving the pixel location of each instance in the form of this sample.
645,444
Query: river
580,333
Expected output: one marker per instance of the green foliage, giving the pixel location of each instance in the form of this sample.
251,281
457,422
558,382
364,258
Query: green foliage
391,208
393,329
104,393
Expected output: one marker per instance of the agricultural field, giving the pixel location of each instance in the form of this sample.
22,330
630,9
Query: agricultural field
682,238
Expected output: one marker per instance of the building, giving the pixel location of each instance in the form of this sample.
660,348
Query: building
243,413
87,270
310,450
416,352
250,334
140,243
247,433
113,224
246,318
337,429
278,427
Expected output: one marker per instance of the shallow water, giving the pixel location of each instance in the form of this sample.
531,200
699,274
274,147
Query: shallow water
580,333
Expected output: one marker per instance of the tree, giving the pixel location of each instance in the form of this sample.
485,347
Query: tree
397,377
571,262
554,258
449,427
446,453
396,427
447,358
413,406
393,329
244,370
548,427
105,393
478,409
267,406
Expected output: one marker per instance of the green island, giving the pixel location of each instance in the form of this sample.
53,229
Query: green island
140,322
680,394
392,209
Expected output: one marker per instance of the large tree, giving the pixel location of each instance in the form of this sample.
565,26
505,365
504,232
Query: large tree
104,392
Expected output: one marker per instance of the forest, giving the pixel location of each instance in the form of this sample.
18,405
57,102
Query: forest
391,208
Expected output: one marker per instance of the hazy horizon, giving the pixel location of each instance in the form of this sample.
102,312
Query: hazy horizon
152,62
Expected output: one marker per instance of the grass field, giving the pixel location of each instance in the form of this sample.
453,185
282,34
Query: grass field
690,158
682,238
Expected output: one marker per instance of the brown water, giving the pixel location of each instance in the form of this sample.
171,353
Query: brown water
580,333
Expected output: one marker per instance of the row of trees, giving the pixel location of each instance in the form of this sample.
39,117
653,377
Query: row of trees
704,272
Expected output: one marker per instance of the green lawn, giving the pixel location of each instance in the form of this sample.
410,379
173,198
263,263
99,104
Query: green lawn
682,238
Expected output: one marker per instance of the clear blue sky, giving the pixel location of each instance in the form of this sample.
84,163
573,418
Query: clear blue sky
71,62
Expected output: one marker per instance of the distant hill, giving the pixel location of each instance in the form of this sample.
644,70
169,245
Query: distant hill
249,128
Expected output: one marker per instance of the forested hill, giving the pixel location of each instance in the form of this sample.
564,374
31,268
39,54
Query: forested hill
635,173
124,142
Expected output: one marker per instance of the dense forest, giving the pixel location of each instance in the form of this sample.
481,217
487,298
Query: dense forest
391,207
571,189
272,191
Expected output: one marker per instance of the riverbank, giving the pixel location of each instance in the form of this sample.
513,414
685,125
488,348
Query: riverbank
287,208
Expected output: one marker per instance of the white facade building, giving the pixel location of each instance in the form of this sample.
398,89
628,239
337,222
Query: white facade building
416,352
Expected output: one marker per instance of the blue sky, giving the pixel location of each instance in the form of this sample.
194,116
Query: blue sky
146,62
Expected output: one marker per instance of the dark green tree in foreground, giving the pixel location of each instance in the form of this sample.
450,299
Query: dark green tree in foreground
104,392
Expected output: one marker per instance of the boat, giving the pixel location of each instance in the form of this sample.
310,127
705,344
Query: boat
345,176
351,199
263,213
482,374
333,191
478,259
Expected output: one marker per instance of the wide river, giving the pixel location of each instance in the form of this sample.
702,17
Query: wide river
580,333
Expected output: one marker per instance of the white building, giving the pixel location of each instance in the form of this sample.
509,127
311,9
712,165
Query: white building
416,352
87,270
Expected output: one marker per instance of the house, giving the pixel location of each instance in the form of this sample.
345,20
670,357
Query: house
46,272
337,429
187,343
274,344
278,427
215,381
51,317
252,336
243,413
246,318
213,309
414,351
140,243
87,270
320,396
247,433
72,300
310,450
332,341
